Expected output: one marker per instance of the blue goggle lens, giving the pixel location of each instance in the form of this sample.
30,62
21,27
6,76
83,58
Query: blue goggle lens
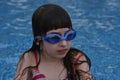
54,38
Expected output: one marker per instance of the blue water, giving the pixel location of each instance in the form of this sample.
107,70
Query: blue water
97,23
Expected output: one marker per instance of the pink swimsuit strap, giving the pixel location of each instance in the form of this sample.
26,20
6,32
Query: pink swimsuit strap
36,58
77,59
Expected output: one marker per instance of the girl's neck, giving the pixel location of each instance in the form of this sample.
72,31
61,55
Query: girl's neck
48,59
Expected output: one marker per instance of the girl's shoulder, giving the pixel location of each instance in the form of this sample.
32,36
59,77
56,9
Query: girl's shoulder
27,55
27,59
79,55
82,64
24,62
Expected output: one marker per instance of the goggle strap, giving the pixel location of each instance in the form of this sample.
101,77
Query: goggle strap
38,38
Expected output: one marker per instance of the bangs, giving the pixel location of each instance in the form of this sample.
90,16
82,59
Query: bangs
56,22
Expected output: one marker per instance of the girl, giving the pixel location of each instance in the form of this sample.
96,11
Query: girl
51,56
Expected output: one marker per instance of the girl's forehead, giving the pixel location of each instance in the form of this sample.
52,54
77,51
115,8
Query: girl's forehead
60,30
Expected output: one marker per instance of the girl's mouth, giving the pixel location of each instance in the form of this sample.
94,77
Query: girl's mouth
62,52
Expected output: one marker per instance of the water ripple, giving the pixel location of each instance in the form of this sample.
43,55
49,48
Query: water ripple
2,45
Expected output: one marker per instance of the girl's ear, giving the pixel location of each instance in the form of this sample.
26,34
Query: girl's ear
37,42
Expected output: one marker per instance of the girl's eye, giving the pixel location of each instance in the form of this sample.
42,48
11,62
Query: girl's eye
55,38
69,37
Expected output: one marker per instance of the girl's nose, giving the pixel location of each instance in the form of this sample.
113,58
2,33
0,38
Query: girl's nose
63,43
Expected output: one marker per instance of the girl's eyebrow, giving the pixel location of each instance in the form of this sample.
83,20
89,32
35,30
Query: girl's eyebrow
54,33
58,32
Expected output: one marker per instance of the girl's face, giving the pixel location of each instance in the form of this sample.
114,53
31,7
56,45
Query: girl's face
57,50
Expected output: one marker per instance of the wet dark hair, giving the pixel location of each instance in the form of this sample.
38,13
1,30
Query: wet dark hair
49,17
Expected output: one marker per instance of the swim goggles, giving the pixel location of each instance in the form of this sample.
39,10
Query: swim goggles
55,37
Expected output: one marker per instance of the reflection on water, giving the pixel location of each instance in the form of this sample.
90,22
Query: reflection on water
96,22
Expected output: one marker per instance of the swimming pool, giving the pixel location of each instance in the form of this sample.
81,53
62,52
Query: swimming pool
97,23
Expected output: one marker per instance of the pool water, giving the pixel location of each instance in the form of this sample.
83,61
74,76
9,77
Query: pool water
97,23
